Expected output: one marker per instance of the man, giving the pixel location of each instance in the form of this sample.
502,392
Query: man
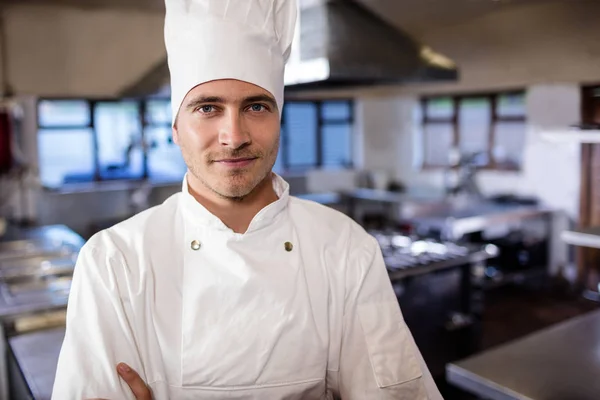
233,289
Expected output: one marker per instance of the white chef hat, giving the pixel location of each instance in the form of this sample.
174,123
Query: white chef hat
247,40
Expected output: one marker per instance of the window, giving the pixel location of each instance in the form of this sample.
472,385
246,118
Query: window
300,131
65,141
87,140
316,134
94,140
119,140
164,157
491,126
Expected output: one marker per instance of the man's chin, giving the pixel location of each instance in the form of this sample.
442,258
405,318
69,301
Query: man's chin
235,186
234,189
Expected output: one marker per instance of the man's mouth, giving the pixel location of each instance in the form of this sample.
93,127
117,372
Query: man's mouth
236,162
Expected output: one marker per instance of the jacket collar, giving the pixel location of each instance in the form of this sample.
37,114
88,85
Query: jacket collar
197,214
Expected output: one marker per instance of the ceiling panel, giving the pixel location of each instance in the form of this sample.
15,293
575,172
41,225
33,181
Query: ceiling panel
150,5
418,16
415,16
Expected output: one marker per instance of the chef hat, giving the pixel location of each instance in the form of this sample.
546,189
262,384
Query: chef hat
247,40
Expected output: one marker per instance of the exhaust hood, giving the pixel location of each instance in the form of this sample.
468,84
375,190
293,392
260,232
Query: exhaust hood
338,44
341,43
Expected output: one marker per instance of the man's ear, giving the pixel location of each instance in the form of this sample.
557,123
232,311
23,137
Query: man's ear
175,134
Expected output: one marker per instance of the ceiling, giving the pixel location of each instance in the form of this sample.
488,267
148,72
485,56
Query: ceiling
151,5
418,16
415,16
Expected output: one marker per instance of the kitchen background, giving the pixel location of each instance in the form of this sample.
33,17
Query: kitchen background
469,124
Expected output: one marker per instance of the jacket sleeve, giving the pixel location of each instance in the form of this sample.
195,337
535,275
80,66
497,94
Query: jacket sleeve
98,334
379,358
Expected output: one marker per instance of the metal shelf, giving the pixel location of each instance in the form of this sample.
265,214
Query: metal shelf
588,237
573,136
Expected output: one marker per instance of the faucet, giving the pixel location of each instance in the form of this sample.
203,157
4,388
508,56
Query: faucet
466,168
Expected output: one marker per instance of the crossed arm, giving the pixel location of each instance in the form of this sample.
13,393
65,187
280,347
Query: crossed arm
378,357
135,383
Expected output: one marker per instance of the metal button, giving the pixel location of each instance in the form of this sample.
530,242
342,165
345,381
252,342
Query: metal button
196,245
288,246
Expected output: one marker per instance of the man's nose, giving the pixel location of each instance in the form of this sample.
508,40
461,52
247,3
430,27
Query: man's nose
233,132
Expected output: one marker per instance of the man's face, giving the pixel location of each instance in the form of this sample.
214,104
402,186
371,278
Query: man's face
228,132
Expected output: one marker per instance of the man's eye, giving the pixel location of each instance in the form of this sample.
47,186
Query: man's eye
257,107
206,109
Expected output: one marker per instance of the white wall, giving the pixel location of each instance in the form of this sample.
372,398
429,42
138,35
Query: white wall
62,51
387,136
524,45
550,170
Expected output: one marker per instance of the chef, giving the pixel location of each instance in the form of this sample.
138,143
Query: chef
232,288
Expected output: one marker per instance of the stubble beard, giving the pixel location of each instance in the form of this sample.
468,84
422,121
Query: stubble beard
240,184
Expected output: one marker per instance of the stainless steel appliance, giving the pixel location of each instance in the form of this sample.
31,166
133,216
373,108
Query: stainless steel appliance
438,287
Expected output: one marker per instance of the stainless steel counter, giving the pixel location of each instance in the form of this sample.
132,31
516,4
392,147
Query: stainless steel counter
36,355
455,222
51,251
322,198
382,196
53,232
557,363
35,268
453,217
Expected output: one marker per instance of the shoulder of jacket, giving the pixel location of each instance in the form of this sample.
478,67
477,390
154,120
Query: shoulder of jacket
124,235
319,213
331,223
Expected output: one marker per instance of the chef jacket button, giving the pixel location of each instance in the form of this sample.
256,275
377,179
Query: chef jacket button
195,245
288,246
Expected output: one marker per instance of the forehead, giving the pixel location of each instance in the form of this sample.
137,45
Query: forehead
231,90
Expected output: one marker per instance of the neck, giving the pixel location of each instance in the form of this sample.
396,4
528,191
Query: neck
237,214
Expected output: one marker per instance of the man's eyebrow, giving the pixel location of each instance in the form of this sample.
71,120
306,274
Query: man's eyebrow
261,98
201,100
198,101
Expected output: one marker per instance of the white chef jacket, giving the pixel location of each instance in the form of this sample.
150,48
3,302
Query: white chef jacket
298,307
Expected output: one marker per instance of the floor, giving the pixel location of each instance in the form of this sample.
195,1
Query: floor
513,312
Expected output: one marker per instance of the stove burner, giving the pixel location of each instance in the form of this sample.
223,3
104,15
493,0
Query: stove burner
402,252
